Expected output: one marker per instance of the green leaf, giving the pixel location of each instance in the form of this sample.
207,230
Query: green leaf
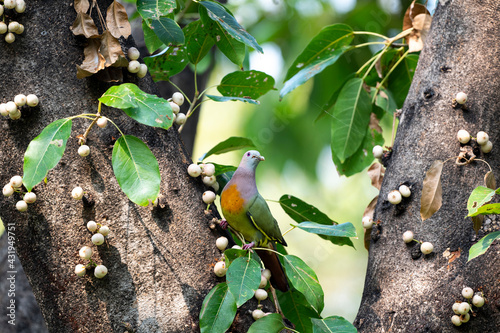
296,308
384,100
339,230
198,41
233,143
246,84
351,116
221,168
483,244
168,31
219,14
480,196
362,158
167,63
243,278
272,323
231,254
333,324
303,278
154,9
218,310
136,170
488,209
228,98
145,108
400,79
152,41
229,46
45,151
301,211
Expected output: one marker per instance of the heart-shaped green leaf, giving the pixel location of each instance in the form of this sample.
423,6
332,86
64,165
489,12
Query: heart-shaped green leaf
218,310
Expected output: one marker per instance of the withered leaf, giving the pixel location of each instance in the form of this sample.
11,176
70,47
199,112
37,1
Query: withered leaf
489,180
117,20
374,122
477,222
417,17
81,6
376,173
93,61
110,48
84,25
412,11
432,193
369,211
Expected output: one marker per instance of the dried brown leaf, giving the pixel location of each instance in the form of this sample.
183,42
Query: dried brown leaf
367,238
432,193
489,180
369,211
84,25
81,6
418,18
374,123
93,61
477,222
412,11
117,20
376,173
110,48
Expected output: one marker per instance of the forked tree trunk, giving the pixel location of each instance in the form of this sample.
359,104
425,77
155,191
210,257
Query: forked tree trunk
405,293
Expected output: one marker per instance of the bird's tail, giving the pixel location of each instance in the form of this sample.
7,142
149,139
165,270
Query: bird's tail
272,262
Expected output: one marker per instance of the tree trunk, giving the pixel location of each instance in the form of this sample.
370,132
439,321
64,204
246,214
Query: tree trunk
159,260
405,291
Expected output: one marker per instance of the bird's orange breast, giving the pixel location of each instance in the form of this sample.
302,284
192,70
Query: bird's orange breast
231,200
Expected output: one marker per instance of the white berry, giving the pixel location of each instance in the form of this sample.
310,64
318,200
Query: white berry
215,186
194,170
378,151
266,273
237,247
13,26
143,70
92,226
8,190
133,53
461,98
32,100
367,222
134,66
408,236
102,122
83,150
263,281
482,137
257,314
20,6
16,181
10,4
175,107
85,253
80,270
208,197
29,197
180,119
456,320
15,115
21,206
104,230
426,248
77,193
405,191
3,28
3,109
260,294
209,180
463,308
178,98
467,292
209,169
20,30
11,107
221,243
20,100
220,269
455,307
487,147
100,271
478,301
394,197
463,136
97,239
465,318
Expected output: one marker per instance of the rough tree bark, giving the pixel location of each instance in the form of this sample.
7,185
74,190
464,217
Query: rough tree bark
405,294
160,261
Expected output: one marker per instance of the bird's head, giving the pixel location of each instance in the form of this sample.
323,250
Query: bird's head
251,159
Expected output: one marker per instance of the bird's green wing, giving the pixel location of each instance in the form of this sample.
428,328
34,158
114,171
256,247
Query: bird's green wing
263,220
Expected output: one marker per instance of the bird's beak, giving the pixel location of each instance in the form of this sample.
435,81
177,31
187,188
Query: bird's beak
261,158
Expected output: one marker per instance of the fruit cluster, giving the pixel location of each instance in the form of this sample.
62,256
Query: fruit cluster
12,27
395,196
175,102
425,247
461,309
482,138
13,108
134,66
15,185
206,171
100,231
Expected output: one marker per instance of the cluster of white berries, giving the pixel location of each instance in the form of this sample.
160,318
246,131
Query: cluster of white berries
100,231
425,247
175,103
461,309
13,108
84,150
395,196
12,27
15,185
261,294
206,171
134,66
482,138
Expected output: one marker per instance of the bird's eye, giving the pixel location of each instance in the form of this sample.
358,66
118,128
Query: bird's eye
248,154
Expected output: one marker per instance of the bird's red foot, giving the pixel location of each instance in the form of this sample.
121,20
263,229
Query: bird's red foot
223,224
248,246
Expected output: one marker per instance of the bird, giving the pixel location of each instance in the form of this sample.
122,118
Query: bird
247,212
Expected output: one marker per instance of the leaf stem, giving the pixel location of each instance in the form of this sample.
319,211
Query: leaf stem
370,34
176,87
267,249
293,227
83,140
489,166
388,74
